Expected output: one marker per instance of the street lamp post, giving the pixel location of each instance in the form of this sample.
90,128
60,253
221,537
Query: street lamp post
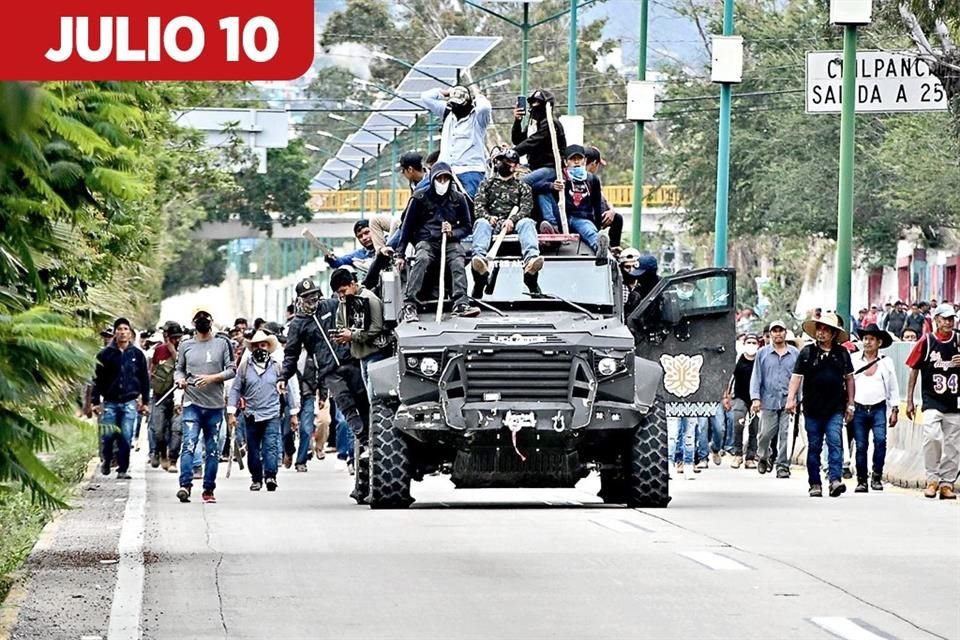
638,134
572,62
850,14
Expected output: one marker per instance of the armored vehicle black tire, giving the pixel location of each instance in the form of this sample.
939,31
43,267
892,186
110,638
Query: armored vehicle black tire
648,468
361,476
391,469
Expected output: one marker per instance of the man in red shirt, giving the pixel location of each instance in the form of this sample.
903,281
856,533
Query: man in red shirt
165,429
935,360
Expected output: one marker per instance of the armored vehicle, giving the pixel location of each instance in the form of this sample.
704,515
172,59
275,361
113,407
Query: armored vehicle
541,389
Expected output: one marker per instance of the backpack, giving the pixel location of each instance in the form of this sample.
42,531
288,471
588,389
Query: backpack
162,380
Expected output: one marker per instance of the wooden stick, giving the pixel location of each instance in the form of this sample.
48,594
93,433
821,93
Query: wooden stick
443,275
306,233
492,254
558,166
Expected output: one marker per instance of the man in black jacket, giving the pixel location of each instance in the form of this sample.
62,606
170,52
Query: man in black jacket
540,156
339,372
438,210
121,390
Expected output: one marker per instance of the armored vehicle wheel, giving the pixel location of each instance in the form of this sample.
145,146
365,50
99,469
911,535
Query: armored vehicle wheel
391,470
649,473
361,476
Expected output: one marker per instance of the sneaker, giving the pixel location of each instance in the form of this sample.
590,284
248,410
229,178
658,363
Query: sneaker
783,473
532,282
271,484
947,492
933,487
876,482
123,475
287,461
154,460
836,488
847,473
533,265
172,468
816,491
697,468
301,468
408,314
479,264
183,494
466,311
329,449
750,464
351,469
208,497
861,487
736,462
762,466
679,467
715,456
603,250
547,229
164,463
256,486
703,464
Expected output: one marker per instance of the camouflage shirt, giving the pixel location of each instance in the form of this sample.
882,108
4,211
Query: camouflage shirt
496,198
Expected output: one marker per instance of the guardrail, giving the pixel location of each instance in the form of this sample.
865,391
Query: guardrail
654,196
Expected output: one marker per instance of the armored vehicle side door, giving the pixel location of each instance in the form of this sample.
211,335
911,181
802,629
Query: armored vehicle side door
687,324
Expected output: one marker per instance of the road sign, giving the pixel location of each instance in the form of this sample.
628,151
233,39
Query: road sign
886,82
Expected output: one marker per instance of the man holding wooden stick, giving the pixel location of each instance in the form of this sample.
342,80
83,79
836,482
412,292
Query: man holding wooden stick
539,149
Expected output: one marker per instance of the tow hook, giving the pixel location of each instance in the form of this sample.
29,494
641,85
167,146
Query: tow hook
559,423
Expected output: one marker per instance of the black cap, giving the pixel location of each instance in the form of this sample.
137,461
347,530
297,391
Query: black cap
574,150
306,286
120,321
411,160
106,332
173,329
593,155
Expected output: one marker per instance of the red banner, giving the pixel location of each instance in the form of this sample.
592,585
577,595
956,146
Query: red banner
158,40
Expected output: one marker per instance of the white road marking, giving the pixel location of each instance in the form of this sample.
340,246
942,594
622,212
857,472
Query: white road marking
128,592
623,526
715,561
847,628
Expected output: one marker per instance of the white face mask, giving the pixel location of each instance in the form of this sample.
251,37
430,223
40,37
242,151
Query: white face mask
441,187
750,349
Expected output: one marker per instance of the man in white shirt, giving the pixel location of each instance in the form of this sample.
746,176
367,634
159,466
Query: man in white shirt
876,402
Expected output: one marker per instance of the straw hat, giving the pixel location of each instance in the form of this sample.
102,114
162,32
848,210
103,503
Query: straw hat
828,319
262,336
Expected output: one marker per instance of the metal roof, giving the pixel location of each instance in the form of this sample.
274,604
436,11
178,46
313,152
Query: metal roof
396,115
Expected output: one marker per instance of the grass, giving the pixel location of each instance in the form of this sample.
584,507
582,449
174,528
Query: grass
21,520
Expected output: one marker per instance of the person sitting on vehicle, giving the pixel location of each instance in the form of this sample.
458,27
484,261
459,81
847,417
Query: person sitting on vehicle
611,220
505,202
433,212
584,200
539,150
362,258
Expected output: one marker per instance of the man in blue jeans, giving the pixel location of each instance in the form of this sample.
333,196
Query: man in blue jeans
204,363
877,397
538,148
121,391
826,373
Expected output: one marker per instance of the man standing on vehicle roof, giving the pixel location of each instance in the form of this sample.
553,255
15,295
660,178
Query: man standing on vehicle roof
464,132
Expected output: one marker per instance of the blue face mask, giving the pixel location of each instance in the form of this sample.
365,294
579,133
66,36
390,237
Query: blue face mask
578,173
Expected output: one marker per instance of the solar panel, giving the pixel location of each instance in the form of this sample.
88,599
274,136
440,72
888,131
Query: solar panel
398,115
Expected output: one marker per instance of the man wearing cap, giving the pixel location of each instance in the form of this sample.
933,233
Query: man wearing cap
584,200
877,397
204,363
611,220
463,134
432,213
121,391
362,258
769,385
825,371
259,384
165,430
503,201
538,147
935,360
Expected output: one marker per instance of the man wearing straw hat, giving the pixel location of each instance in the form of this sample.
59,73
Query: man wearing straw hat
825,370
259,383
877,403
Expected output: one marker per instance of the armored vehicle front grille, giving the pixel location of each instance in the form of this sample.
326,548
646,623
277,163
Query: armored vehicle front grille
515,339
518,374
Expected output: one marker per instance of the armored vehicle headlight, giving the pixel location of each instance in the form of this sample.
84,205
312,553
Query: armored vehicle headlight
412,362
607,366
429,367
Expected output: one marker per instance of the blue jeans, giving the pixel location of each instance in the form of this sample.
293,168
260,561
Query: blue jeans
308,412
818,429
285,436
526,230
262,455
117,422
194,421
684,438
344,436
866,421
721,430
586,230
471,181
549,209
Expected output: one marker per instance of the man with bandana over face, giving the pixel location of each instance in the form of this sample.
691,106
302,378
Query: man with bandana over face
464,132
538,147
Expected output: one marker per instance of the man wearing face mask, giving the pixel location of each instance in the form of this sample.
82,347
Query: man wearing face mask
464,132
204,363
431,213
505,202
769,385
164,422
538,147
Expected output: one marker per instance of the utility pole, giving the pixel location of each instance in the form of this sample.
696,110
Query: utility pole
571,62
638,139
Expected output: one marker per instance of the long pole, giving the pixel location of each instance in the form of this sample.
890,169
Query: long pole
845,200
723,157
394,162
638,140
572,62
525,47
363,190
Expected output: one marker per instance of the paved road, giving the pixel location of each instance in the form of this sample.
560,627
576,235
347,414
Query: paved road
736,555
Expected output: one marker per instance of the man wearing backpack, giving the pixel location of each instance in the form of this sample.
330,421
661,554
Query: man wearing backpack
259,384
165,424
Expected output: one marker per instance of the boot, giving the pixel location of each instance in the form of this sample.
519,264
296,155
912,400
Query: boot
154,460
876,483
